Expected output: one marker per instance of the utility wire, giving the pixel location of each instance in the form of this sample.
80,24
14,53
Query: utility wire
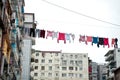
80,13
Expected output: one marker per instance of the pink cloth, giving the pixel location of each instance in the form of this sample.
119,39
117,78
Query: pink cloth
113,42
88,39
49,34
82,39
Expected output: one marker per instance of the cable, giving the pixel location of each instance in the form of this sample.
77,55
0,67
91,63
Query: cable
81,13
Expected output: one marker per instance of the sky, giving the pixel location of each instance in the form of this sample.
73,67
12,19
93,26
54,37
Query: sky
86,17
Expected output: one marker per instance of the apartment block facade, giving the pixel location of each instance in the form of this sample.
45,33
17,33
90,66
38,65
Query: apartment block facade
113,59
11,22
28,41
102,72
55,65
94,71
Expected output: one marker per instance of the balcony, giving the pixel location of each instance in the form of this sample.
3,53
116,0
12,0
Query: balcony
109,57
112,62
13,2
109,52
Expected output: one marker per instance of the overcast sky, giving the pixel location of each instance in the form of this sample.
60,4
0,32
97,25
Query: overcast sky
76,16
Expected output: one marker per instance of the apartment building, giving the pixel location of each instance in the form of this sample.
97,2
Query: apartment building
11,21
90,68
94,71
55,65
28,41
102,72
45,65
74,66
113,59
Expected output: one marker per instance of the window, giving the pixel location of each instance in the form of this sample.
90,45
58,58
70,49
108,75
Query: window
76,56
56,74
43,61
36,67
64,68
32,59
84,56
76,62
71,56
76,68
70,68
43,54
49,74
56,54
80,56
35,74
76,75
71,62
50,61
118,50
56,67
70,74
42,67
50,67
37,54
64,62
80,62
80,75
42,74
64,74
57,60
81,68
36,60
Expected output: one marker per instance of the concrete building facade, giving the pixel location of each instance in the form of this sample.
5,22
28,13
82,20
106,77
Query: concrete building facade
102,72
74,66
54,65
28,41
94,71
11,21
113,59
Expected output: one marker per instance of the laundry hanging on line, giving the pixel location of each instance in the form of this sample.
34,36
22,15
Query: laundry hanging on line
60,36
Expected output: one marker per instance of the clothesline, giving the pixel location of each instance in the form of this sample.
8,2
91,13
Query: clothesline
41,33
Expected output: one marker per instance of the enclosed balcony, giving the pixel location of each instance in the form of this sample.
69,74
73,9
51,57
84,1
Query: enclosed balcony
13,3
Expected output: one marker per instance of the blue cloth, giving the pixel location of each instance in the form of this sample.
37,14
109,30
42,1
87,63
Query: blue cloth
16,21
14,31
22,10
37,32
67,36
13,45
95,40
55,35
26,31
